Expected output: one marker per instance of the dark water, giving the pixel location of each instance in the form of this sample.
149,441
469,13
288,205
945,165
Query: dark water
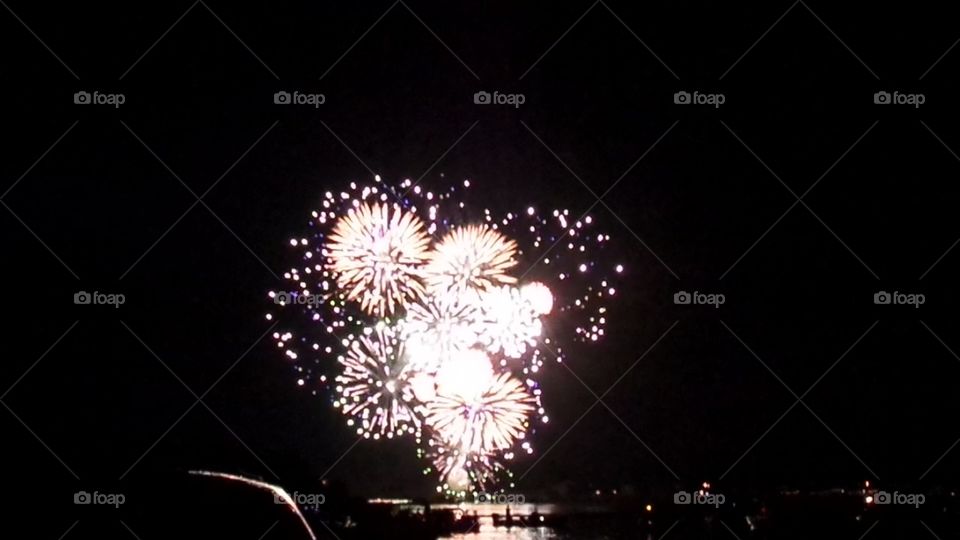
594,523
616,529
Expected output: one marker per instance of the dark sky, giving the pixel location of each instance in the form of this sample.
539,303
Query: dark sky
99,211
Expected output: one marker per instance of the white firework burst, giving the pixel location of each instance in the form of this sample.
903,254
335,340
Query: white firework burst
375,251
471,257
439,338
459,471
510,322
439,329
493,421
539,296
374,385
466,376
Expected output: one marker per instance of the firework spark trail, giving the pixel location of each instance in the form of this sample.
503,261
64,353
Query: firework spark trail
433,333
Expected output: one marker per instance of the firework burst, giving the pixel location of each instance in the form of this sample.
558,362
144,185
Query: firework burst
375,252
459,471
418,304
509,322
439,329
374,385
490,422
472,257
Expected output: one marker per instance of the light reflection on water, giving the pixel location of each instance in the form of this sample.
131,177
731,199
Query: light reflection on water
486,509
489,532
576,532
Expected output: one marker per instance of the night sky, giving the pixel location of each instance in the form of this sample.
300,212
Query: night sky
798,199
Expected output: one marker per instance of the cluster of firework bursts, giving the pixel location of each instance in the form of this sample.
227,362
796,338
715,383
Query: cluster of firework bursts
437,321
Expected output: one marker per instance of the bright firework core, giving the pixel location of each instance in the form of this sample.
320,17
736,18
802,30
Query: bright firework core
434,328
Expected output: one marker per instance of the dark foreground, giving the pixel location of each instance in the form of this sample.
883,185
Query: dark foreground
211,505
